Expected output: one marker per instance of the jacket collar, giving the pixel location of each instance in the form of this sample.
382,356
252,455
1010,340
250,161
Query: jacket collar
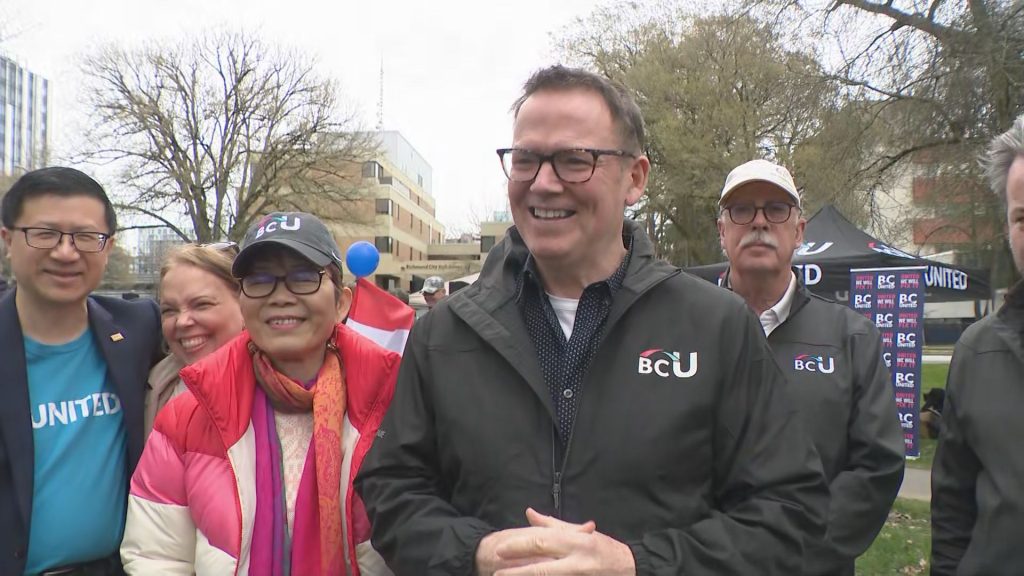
119,360
489,305
801,297
507,260
224,382
1010,320
164,375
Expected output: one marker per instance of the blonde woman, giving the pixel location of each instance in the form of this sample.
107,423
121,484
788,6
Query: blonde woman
199,313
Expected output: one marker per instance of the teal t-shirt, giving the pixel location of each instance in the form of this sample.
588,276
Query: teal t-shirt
80,481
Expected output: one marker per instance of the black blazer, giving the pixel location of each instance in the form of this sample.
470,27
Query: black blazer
128,358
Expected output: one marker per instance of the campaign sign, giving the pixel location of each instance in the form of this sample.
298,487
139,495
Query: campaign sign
893,298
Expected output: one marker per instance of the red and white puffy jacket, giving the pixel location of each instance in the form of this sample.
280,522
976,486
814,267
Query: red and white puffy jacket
193,496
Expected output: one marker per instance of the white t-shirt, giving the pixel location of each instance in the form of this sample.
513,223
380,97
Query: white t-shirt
565,311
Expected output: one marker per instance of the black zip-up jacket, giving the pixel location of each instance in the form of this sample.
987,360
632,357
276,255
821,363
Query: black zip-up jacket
832,359
978,474
685,445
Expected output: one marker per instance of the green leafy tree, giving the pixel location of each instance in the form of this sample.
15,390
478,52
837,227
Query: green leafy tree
717,91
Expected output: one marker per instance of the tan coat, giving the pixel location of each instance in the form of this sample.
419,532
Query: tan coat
164,384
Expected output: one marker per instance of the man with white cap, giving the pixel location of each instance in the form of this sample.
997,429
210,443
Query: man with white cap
831,357
433,290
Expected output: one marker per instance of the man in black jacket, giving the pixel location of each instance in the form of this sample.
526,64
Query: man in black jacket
978,474
585,408
73,372
832,358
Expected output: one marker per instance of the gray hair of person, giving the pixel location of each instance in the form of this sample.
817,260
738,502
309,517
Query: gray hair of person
1001,153
625,111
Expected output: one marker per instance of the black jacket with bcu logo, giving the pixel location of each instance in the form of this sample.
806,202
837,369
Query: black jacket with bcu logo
832,358
698,464
978,475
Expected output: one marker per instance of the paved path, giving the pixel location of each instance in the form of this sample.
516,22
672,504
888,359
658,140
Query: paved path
917,484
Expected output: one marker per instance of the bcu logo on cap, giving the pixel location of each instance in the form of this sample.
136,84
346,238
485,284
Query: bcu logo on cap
273,223
650,362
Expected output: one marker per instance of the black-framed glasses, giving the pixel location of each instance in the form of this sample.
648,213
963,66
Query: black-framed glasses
48,239
226,247
574,165
774,212
298,282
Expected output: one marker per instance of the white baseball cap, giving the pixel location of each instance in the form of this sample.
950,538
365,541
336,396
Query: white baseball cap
432,285
759,171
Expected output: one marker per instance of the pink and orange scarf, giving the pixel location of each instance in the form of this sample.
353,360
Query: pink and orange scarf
315,545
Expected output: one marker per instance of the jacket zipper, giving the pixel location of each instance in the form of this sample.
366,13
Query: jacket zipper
559,471
556,493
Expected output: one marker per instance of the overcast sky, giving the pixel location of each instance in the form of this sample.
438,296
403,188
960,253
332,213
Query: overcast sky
451,67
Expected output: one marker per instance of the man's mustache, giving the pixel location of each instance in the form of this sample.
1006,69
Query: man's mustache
759,237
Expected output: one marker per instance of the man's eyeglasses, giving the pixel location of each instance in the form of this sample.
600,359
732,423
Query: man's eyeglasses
48,239
573,166
298,282
774,212
226,247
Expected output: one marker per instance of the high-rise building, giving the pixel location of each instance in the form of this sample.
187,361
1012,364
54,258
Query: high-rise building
24,118
153,246
400,213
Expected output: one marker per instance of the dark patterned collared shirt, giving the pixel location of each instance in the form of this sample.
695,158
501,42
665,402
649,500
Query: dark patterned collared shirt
565,362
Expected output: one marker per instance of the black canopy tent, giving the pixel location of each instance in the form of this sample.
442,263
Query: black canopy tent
833,245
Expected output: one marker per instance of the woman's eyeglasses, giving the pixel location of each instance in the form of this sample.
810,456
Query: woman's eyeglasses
298,282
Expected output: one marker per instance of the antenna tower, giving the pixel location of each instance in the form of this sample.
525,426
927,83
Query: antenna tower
380,99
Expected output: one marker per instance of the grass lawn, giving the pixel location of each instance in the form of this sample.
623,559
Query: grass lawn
932,376
903,546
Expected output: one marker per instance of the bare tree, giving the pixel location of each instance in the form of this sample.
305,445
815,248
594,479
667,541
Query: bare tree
211,133
943,78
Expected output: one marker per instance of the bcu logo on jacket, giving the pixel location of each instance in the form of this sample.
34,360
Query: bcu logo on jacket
665,363
271,224
808,363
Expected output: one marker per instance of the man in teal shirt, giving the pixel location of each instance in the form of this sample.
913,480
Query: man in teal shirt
72,370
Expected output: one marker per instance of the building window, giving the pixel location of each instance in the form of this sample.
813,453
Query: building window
486,243
383,206
371,169
383,244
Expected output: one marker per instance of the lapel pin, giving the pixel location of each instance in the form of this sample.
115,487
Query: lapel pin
116,337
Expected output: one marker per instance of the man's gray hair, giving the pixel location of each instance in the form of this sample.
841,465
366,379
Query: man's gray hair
1002,151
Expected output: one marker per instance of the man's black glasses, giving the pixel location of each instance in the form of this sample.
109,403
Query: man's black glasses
574,166
48,239
774,212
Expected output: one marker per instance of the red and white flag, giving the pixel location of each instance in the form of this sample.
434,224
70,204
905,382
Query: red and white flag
380,316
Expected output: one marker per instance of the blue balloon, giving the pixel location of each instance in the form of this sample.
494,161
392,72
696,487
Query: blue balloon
362,258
